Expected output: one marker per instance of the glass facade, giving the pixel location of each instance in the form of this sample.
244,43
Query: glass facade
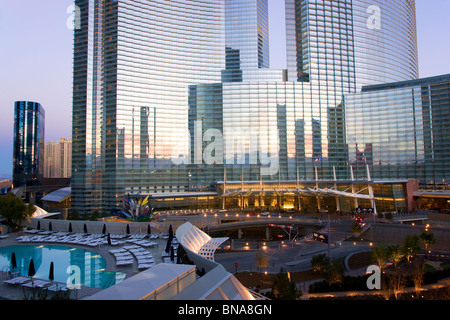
28,148
133,62
350,44
174,97
401,130
283,125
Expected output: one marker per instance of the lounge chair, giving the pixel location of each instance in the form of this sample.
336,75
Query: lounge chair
36,283
117,250
124,262
55,287
124,258
17,280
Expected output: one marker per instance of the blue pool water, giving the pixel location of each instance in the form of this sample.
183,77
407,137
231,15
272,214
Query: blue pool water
87,268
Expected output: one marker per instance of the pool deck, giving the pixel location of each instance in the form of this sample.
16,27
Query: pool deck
15,292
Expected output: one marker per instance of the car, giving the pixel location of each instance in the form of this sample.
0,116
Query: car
265,213
360,220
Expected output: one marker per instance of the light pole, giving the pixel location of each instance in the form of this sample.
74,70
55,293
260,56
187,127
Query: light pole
329,251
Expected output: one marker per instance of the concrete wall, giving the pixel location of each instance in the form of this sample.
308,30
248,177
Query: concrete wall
396,233
439,218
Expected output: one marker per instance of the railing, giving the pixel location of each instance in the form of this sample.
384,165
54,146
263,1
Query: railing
6,272
257,295
409,217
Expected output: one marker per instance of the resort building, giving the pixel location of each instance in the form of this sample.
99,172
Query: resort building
179,102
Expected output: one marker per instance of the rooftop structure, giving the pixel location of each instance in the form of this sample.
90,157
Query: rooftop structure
168,281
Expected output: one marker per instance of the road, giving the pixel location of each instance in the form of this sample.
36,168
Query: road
295,256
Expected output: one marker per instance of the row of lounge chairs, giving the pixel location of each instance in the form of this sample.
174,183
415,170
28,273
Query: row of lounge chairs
142,242
91,240
144,258
87,239
124,256
37,283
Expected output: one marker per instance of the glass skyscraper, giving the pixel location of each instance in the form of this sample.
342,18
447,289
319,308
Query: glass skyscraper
133,62
28,147
295,118
174,96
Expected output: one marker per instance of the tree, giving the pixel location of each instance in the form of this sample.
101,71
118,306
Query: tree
95,215
335,272
283,288
411,246
74,215
320,263
396,281
417,275
332,271
14,210
261,260
29,210
380,255
395,254
427,237
356,227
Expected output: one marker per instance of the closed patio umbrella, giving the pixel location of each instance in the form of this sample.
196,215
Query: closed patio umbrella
13,261
31,270
170,233
168,244
149,230
172,254
104,229
50,226
128,229
38,225
51,275
109,238
70,227
85,228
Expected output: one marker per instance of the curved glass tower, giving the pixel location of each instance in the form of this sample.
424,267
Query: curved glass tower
292,123
352,42
133,62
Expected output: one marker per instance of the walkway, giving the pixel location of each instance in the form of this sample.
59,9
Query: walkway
291,256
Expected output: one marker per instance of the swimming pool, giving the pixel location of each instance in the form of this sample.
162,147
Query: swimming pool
87,268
